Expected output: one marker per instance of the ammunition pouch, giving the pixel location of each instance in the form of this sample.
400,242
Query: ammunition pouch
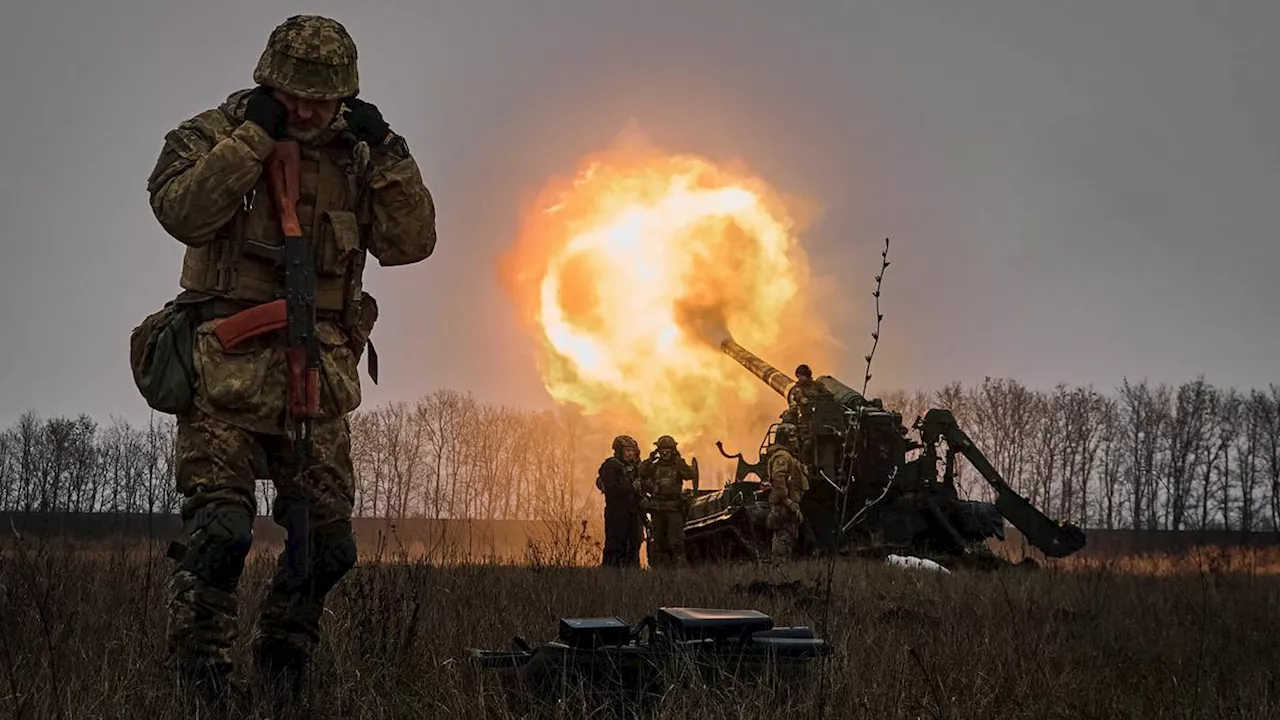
340,391
337,238
250,377
360,329
160,356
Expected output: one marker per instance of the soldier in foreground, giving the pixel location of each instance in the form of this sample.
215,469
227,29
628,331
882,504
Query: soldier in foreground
360,192
623,526
662,479
788,483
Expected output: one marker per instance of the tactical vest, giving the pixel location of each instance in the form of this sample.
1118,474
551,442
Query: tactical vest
241,263
781,460
668,480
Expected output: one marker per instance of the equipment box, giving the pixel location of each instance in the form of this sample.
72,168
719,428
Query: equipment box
711,624
588,633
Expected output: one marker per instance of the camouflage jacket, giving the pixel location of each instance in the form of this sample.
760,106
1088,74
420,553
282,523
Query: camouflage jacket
806,392
208,190
788,479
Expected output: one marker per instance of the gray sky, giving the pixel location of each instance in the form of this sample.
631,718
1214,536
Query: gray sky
1076,192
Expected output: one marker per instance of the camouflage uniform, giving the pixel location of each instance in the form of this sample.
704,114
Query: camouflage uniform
662,478
360,192
806,390
799,400
788,484
623,526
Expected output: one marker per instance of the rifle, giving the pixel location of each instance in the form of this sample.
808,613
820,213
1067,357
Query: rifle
295,313
302,350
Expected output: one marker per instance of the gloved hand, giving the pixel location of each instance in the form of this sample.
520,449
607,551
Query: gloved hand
266,112
365,121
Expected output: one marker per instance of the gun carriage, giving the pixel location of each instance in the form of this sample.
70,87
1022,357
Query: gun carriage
864,493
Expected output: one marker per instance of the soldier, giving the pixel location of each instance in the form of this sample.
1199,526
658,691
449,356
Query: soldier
799,410
618,480
806,389
662,479
360,191
788,483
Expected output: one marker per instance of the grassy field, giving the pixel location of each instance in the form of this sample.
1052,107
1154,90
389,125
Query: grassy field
82,636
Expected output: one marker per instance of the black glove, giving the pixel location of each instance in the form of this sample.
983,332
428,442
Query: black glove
266,112
366,121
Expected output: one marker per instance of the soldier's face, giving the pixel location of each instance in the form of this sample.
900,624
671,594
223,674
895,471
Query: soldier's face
666,454
307,118
631,454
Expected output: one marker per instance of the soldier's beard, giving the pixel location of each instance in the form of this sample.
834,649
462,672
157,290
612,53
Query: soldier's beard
305,133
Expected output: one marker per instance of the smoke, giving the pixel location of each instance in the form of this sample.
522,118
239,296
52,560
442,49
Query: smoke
704,322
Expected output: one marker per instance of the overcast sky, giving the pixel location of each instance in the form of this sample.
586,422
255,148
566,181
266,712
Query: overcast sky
1076,192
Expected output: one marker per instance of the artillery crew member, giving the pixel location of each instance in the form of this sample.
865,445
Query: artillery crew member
800,399
788,482
359,193
619,480
807,390
662,479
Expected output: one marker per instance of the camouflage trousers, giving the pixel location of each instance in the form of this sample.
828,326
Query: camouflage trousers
786,528
217,464
666,548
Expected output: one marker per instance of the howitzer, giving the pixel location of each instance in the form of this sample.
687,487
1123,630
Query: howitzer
863,490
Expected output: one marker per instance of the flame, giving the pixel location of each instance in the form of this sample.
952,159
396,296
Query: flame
633,271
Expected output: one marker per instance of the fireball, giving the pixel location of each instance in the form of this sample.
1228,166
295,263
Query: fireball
631,273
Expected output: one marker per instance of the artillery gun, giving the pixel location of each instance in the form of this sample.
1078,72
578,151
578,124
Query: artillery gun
864,494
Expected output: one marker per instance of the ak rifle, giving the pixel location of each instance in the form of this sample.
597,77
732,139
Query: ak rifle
295,313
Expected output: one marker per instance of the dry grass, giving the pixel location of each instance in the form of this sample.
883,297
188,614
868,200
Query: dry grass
1210,559
82,636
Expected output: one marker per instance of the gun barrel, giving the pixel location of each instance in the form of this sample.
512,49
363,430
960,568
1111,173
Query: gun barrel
768,374
846,395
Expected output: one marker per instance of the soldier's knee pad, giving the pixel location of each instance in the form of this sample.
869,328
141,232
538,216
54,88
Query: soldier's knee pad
335,555
220,538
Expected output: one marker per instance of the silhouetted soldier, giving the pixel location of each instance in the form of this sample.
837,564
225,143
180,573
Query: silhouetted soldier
623,526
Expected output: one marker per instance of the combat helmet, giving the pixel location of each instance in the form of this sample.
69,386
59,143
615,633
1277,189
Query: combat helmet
622,442
666,442
312,57
803,371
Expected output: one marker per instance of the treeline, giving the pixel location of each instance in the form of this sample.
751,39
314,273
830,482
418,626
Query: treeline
446,456
1149,457
1145,456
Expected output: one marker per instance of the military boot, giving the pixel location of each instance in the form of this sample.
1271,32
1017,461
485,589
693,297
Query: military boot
278,667
209,689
